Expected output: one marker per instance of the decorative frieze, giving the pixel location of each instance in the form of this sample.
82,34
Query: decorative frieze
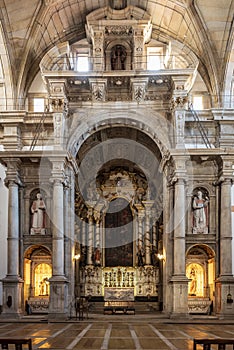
138,88
98,87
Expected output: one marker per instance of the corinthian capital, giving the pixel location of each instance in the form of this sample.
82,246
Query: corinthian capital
179,102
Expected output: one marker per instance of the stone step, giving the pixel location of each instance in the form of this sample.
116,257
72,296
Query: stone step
140,307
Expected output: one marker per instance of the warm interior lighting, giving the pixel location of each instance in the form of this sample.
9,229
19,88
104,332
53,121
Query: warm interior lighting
77,256
43,272
161,256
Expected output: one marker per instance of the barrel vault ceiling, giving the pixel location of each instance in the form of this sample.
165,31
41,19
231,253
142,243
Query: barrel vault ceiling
29,28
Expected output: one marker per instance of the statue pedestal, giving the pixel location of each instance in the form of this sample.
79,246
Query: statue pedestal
36,231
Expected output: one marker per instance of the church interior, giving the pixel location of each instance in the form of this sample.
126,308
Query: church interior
117,157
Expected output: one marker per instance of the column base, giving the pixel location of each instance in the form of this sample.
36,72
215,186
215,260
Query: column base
224,300
12,307
58,303
179,296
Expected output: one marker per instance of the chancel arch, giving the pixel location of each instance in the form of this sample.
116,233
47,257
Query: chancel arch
118,209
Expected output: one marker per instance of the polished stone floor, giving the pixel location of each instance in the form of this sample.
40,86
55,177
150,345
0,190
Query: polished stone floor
111,332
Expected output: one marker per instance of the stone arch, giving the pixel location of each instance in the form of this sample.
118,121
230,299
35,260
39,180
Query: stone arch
157,127
204,247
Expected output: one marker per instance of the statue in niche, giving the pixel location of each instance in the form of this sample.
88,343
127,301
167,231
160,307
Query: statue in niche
193,283
200,213
44,286
118,58
38,215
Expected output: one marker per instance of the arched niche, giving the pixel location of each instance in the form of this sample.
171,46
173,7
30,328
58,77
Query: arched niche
118,55
37,272
200,269
38,216
200,210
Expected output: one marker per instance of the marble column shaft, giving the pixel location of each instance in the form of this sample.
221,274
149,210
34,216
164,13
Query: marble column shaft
179,228
58,229
226,229
13,230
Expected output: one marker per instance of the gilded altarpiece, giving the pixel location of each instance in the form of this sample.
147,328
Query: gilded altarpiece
121,237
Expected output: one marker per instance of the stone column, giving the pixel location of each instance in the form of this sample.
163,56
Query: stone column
58,306
12,283
179,229
168,218
179,279
225,281
69,228
226,230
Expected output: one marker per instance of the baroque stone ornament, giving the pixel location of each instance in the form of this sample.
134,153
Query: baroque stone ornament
179,102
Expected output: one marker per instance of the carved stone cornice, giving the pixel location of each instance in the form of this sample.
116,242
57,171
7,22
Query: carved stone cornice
118,30
58,176
223,180
13,172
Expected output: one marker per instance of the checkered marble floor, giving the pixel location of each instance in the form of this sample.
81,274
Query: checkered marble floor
117,333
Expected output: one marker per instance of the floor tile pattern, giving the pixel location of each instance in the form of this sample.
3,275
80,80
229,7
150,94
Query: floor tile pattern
143,334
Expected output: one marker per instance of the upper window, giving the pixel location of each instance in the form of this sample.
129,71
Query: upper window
154,58
197,102
82,63
38,104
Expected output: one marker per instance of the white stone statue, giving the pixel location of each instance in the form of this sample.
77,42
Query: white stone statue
200,213
38,215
